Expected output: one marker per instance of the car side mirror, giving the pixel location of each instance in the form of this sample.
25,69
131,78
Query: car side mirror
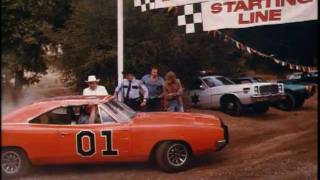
202,87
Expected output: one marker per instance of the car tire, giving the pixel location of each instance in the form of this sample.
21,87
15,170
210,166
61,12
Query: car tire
232,106
169,155
14,162
299,103
287,104
260,108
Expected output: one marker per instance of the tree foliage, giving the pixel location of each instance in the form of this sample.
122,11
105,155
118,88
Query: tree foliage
90,45
24,27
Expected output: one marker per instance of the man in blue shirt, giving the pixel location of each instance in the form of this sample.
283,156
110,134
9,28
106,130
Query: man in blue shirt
154,83
131,88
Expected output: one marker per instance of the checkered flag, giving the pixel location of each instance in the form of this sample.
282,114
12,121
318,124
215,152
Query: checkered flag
190,16
145,4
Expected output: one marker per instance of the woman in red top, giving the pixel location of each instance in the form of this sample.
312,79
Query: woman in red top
173,93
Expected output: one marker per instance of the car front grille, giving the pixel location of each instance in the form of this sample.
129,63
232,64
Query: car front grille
269,89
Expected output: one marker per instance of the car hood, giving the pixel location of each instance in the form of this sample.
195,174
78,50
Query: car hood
171,118
295,87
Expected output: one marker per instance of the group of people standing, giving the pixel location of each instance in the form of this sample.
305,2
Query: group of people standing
145,94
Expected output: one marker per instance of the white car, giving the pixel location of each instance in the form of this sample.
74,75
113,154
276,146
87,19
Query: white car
221,92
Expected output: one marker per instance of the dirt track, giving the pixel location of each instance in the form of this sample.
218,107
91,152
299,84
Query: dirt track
277,145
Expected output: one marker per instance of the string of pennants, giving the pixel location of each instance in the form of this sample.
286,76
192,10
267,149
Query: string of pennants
250,50
195,16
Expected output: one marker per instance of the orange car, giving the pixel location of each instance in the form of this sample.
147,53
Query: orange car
92,129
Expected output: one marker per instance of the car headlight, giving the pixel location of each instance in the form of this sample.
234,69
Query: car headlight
280,86
308,88
256,90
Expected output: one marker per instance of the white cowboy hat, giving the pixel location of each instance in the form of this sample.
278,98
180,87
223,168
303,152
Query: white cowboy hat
92,78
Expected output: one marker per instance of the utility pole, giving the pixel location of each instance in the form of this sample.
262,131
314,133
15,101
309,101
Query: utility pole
120,40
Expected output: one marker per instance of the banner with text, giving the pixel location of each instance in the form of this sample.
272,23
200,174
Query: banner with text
222,14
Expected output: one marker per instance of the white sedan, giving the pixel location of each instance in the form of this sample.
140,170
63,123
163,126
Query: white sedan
220,92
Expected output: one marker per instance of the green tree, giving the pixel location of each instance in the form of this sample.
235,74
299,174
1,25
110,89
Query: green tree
89,42
24,27
151,38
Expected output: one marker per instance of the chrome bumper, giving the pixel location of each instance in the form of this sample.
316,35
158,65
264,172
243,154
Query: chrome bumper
268,98
220,144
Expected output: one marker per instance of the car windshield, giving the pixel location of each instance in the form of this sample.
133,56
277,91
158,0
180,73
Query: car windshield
257,79
217,81
294,76
120,111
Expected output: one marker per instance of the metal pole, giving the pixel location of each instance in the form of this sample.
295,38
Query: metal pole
120,40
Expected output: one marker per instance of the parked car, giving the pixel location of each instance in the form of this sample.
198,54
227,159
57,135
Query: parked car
296,93
231,98
300,77
53,131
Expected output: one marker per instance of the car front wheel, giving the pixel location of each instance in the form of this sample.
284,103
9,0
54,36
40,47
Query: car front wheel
299,103
231,106
173,156
287,104
14,162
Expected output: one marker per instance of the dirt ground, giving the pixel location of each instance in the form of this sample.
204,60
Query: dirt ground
277,145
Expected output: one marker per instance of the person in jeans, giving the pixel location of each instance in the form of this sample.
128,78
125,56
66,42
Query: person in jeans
173,93
130,89
155,84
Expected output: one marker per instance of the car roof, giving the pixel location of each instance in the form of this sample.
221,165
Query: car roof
37,108
78,98
208,76
245,77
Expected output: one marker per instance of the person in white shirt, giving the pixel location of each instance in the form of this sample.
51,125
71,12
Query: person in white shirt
94,89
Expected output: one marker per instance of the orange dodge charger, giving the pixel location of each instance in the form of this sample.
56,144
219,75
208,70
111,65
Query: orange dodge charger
100,129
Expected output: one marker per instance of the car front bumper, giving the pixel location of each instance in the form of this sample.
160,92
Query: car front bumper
268,98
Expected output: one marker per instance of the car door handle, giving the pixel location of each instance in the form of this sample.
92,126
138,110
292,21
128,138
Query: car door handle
64,133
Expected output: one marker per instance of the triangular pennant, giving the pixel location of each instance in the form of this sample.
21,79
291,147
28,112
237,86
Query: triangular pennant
254,51
249,50
291,66
242,47
261,54
304,69
238,44
276,61
225,39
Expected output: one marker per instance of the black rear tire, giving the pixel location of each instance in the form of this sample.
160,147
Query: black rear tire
287,104
167,156
260,108
232,106
14,162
